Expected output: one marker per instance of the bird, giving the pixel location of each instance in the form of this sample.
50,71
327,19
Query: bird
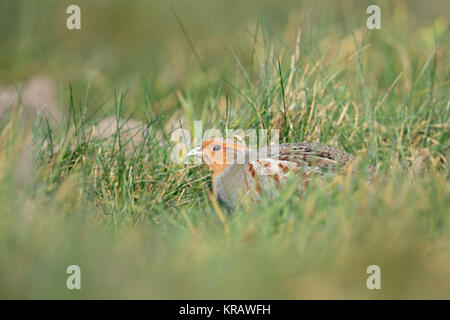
240,173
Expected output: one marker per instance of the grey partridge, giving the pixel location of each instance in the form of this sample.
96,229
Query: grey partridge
240,173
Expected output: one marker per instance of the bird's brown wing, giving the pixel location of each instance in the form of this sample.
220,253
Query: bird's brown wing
276,164
320,157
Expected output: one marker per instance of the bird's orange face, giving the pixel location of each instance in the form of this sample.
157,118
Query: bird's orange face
218,154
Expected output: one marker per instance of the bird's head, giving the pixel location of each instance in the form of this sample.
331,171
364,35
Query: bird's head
218,154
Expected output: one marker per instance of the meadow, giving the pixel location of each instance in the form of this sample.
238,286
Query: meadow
87,178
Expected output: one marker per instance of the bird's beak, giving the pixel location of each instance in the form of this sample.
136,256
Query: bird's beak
196,152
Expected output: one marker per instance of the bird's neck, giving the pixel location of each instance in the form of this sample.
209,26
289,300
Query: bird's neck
217,169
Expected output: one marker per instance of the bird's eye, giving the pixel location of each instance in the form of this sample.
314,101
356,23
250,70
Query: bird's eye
216,147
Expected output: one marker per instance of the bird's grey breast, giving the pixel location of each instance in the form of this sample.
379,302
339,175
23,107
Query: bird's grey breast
230,185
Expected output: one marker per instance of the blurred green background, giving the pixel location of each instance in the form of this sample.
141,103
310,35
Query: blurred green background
125,42
141,226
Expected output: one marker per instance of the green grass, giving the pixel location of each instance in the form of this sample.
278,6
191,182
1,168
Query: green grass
141,226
